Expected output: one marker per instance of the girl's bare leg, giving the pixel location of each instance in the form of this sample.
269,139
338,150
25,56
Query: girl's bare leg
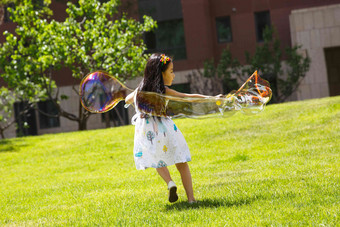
184,170
164,173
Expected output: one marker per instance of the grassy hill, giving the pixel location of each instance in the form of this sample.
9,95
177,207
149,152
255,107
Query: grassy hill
280,167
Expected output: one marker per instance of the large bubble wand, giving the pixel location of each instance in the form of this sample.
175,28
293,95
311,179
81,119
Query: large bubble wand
100,92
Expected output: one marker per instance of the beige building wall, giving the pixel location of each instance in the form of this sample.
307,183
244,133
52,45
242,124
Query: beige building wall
10,132
315,29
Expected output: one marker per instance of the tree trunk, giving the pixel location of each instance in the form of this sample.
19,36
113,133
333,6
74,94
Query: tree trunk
82,124
82,119
2,14
2,134
119,117
107,120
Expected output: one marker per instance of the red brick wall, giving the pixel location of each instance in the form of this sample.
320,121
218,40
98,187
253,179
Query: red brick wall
200,29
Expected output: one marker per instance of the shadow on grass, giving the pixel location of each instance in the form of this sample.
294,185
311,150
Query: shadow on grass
7,146
211,203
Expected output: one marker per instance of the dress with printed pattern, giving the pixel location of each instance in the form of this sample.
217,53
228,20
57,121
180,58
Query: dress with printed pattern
158,142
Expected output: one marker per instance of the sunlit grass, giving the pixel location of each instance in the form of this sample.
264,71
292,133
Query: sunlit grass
280,167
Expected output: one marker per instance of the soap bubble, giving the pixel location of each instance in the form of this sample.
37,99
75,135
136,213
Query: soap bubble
101,92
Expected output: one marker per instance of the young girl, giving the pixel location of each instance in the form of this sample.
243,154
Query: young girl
158,143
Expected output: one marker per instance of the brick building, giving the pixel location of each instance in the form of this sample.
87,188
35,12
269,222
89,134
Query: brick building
196,30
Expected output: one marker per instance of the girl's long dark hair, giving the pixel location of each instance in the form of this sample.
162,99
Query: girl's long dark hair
152,82
153,79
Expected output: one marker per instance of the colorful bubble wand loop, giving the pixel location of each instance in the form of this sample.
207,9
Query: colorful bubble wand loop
100,92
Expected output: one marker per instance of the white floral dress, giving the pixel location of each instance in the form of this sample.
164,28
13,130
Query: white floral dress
158,142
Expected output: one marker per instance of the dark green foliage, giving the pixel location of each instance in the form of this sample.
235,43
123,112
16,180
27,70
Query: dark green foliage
226,67
298,66
6,110
267,59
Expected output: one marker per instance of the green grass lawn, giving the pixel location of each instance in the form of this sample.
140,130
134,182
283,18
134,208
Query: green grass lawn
280,167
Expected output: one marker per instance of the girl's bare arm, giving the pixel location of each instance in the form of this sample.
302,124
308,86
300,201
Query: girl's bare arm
130,98
174,93
194,97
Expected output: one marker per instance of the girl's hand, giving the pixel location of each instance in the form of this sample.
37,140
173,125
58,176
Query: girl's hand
129,99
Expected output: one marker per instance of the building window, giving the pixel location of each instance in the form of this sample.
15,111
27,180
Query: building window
185,88
118,116
6,12
38,4
150,40
223,28
168,38
262,20
49,108
25,119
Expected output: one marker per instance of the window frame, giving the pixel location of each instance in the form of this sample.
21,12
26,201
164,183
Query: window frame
46,119
230,27
7,18
259,35
167,50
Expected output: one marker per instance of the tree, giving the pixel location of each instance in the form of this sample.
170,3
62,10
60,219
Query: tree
216,79
19,64
298,65
267,59
93,38
6,3
3,4
6,110
90,39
